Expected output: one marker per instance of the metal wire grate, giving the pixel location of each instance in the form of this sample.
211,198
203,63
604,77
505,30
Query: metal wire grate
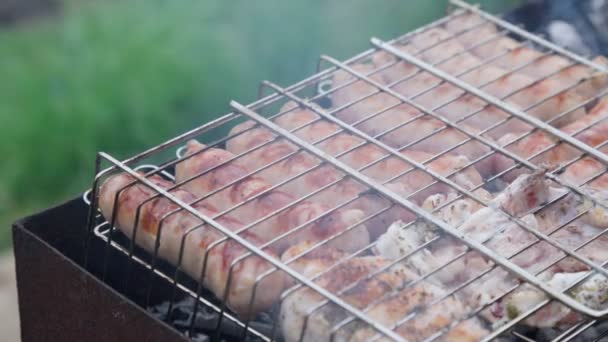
323,95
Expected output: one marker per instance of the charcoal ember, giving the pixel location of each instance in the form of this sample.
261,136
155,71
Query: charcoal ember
205,321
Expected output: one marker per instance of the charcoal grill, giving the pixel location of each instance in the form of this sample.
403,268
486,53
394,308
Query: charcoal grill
153,284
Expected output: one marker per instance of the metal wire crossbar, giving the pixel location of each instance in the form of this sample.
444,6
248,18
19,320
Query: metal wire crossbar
365,78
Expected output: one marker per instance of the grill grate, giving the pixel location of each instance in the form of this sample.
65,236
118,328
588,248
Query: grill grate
320,94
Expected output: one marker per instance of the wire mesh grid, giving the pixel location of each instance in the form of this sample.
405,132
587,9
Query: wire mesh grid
395,105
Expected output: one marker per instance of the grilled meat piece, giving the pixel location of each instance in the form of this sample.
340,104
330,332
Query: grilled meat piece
369,159
213,168
370,284
158,227
549,88
506,238
297,306
539,147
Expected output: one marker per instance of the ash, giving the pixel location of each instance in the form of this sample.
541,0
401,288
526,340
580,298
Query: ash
205,322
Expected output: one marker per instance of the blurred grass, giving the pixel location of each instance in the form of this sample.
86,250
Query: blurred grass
120,76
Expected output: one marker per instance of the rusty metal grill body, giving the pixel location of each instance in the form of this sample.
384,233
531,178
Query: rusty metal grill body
311,93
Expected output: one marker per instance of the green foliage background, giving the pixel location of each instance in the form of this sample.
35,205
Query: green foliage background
120,76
